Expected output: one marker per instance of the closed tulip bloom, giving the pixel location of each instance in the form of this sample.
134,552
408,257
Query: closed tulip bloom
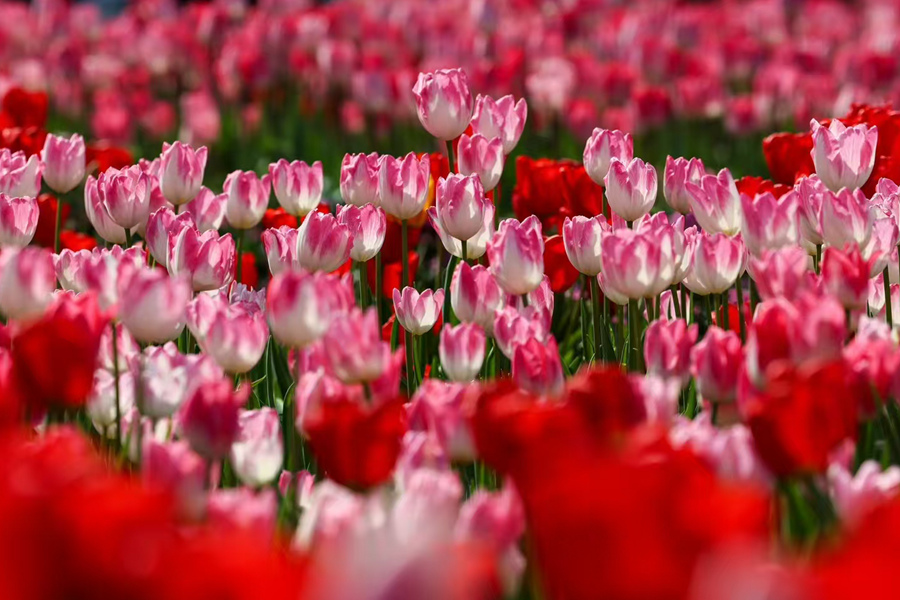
462,351
355,349
460,205
476,245
127,350
323,242
174,467
635,264
69,267
248,198
181,172
101,272
516,254
716,364
716,203
847,218
667,348
512,328
843,156
300,305
417,313
882,245
781,273
475,295
481,156
126,195
207,258
845,274
20,175
162,225
811,195
63,160
258,451
208,209
210,418
297,185
769,223
680,171
367,226
444,103
235,337
101,404
27,281
152,304
631,188
18,221
603,146
281,248
359,179
582,236
536,368
403,185
97,212
170,378
503,118
718,261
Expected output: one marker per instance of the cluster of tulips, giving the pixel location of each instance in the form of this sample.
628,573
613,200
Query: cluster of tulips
697,402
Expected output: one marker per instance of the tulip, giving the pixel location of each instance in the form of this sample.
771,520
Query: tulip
667,348
462,351
460,205
403,185
359,179
444,103
258,451
208,209
18,221
582,236
503,118
718,262
69,267
716,203
635,264
126,350
843,156
152,304
207,258
476,245
417,313
19,176
845,275
536,368
181,172
162,226
169,378
716,364
174,467
323,243
355,350
243,510
98,214
811,196
603,146
729,450
630,188
882,244
27,281
781,273
769,223
516,254
125,194
367,226
297,186
680,171
847,218
107,391
281,249
857,494
210,418
475,295
512,328
63,160
248,198
300,306
483,157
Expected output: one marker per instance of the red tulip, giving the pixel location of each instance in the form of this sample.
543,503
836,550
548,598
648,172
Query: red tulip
27,109
557,266
788,156
278,217
105,156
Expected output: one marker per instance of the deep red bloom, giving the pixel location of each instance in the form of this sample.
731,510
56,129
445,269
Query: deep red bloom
440,164
75,240
27,109
788,156
391,251
355,445
393,273
557,266
539,190
29,140
582,196
105,156
653,105
278,217
46,227
249,272
753,186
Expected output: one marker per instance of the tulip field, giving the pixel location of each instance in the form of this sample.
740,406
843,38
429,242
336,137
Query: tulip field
469,300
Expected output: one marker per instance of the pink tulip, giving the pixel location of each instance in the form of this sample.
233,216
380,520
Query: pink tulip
718,262
209,418
603,146
516,254
582,237
460,205
152,304
126,195
478,155
729,451
680,171
18,221
857,494
169,378
439,411
297,185
512,328
444,103
181,172
462,351
102,271
98,214
359,179
887,197
20,176
235,337
843,156
403,185
243,509
101,404
716,364
846,276
27,281
882,244
367,226
355,349
258,451
63,160
667,348
248,198
847,218
636,264
630,188
281,248
536,368
208,209
300,306
716,203
769,223
781,273
201,119
162,225
476,245
127,350
417,313
174,467
811,195
323,242
207,258
69,268
475,295
503,118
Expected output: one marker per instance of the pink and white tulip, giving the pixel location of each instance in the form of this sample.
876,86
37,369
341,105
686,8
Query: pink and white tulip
631,188
769,223
359,179
125,194
63,161
355,348
635,264
152,304
843,156
781,273
403,185
417,313
281,248
97,212
323,242
516,254
716,364
258,451
475,295
536,368
716,203
206,258
170,378
297,185
459,205
208,209
481,156
582,237
811,195
234,336
20,176
27,281
162,225
847,218
367,226
181,172
476,245
101,404
856,494
603,146
667,348
845,274
718,262
248,198
18,221
300,306
680,171
503,118
462,351
512,328
444,103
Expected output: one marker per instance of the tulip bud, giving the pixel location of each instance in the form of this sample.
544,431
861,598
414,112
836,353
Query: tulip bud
475,295
513,328
444,103
297,186
281,249
810,194
27,281
462,351
18,221
667,348
323,243
516,254
207,258
170,378
300,306
152,304
846,276
97,212
635,264
603,146
181,172
209,418
843,156
716,203
258,451
417,313
101,404
582,236
680,171
476,245
63,160
367,226
248,198
503,118
163,225
716,364
718,262
403,185
359,179
631,188
208,209
478,155
126,195
782,273
460,205
536,368
857,494
769,223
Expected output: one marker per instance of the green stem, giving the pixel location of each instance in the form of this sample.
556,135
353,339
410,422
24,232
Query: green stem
818,261
725,316
115,353
450,158
404,248
128,238
240,248
58,226
634,334
675,303
595,302
364,284
410,364
465,250
584,325
449,317
888,309
289,425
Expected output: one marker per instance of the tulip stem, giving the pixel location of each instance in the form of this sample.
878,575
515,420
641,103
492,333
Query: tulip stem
595,302
742,320
465,248
379,276
584,324
364,284
240,248
688,315
288,409
818,263
725,306
449,317
115,353
635,334
410,363
404,260
888,309
58,225
450,159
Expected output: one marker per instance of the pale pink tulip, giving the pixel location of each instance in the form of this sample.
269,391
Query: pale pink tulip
243,509
443,410
403,185
462,351
232,334
359,179
208,209
18,221
417,313
169,378
152,304
297,185
503,118
718,262
769,223
630,188
444,103
476,245
248,198
781,273
680,171
300,306
603,146
98,214
636,264
69,267
63,160
481,156
181,172
20,176
516,254
207,258
125,194
258,451
475,295
175,468
582,237
162,225
882,244
27,281
459,205
355,348
281,248
367,226
847,218
843,156
101,403
512,328
857,494
323,242
716,203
